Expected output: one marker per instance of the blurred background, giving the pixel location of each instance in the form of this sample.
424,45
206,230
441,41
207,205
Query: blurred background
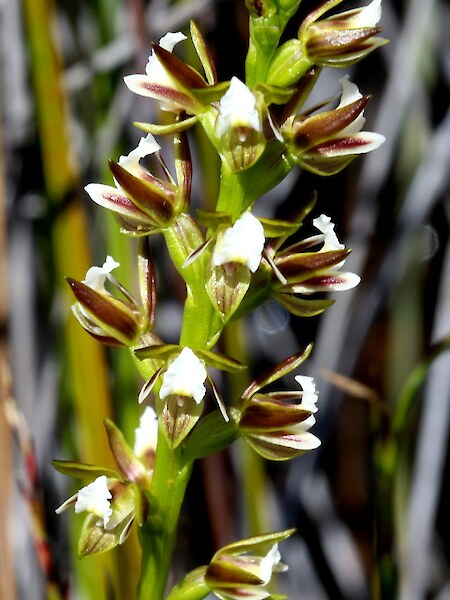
371,505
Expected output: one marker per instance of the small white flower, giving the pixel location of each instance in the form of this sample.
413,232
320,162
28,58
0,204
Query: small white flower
185,376
237,108
310,396
96,276
146,435
242,243
326,226
147,145
94,498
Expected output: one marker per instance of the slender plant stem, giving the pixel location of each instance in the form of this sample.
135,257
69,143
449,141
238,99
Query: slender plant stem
170,478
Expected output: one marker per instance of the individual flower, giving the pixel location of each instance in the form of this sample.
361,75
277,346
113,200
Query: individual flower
110,507
95,498
179,402
241,243
342,39
300,272
244,569
328,142
168,79
115,498
109,320
142,203
239,126
181,380
276,424
237,254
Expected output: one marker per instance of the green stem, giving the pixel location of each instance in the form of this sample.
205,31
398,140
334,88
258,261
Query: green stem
201,323
170,478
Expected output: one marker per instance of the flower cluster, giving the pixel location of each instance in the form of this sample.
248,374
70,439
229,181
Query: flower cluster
230,261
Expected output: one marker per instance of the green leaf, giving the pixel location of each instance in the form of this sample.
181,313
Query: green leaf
213,219
160,352
175,127
203,53
212,93
217,360
275,94
83,470
275,228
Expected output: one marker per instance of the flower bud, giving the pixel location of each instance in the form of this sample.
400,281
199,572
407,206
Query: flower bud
288,65
239,127
342,39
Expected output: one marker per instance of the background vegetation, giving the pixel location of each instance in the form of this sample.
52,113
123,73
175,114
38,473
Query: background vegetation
371,505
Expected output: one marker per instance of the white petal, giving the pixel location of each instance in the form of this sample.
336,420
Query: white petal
309,397
326,226
147,145
185,376
237,108
154,69
268,563
170,40
66,504
96,276
350,93
368,16
94,498
146,435
242,243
